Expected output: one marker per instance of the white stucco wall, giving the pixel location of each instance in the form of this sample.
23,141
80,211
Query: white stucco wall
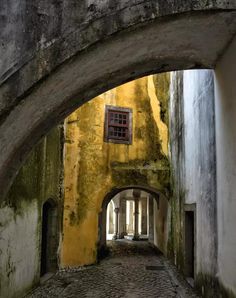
199,162
19,251
193,158
191,94
225,95
190,128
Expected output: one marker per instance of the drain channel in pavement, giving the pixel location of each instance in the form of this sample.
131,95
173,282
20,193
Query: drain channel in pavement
155,268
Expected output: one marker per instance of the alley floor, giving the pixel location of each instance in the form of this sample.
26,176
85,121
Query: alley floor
133,269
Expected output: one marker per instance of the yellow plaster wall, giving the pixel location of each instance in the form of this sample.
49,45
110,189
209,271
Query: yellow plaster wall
93,167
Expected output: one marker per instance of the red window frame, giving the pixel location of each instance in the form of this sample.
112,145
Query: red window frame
118,125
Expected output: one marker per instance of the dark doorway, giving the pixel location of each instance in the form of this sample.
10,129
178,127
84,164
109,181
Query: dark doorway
49,242
189,244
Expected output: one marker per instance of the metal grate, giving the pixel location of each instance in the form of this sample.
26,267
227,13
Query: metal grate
118,125
155,268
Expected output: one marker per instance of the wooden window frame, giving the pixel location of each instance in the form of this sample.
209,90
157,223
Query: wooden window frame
107,138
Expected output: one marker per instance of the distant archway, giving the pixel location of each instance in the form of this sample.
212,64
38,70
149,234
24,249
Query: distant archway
102,220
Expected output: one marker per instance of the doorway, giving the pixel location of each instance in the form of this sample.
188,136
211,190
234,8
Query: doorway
189,244
49,240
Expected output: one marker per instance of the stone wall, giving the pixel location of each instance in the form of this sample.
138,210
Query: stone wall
39,36
38,180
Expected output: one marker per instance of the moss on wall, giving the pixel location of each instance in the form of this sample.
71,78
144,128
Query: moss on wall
26,186
39,179
177,198
209,286
162,89
93,167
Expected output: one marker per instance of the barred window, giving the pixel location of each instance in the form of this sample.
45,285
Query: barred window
118,125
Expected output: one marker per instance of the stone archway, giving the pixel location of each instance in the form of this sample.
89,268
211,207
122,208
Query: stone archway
102,217
38,91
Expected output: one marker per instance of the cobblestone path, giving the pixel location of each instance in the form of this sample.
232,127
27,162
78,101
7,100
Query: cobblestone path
132,270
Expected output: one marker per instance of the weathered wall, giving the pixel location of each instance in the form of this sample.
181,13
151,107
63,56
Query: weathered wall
193,162
93,167
200,163
225,92
20,216
39,37
176,141
161,212
203,175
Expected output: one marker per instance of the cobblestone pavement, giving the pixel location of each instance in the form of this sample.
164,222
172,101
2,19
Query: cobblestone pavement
132,270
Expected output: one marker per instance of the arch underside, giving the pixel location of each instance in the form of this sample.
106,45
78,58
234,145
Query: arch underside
189,40
151,190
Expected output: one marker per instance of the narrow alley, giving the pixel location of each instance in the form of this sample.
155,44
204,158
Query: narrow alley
133,269
117,140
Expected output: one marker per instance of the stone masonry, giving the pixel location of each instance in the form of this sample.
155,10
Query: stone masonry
132,270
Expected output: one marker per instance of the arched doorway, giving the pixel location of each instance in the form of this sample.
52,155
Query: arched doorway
130,215
49,240
110,220
149,224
